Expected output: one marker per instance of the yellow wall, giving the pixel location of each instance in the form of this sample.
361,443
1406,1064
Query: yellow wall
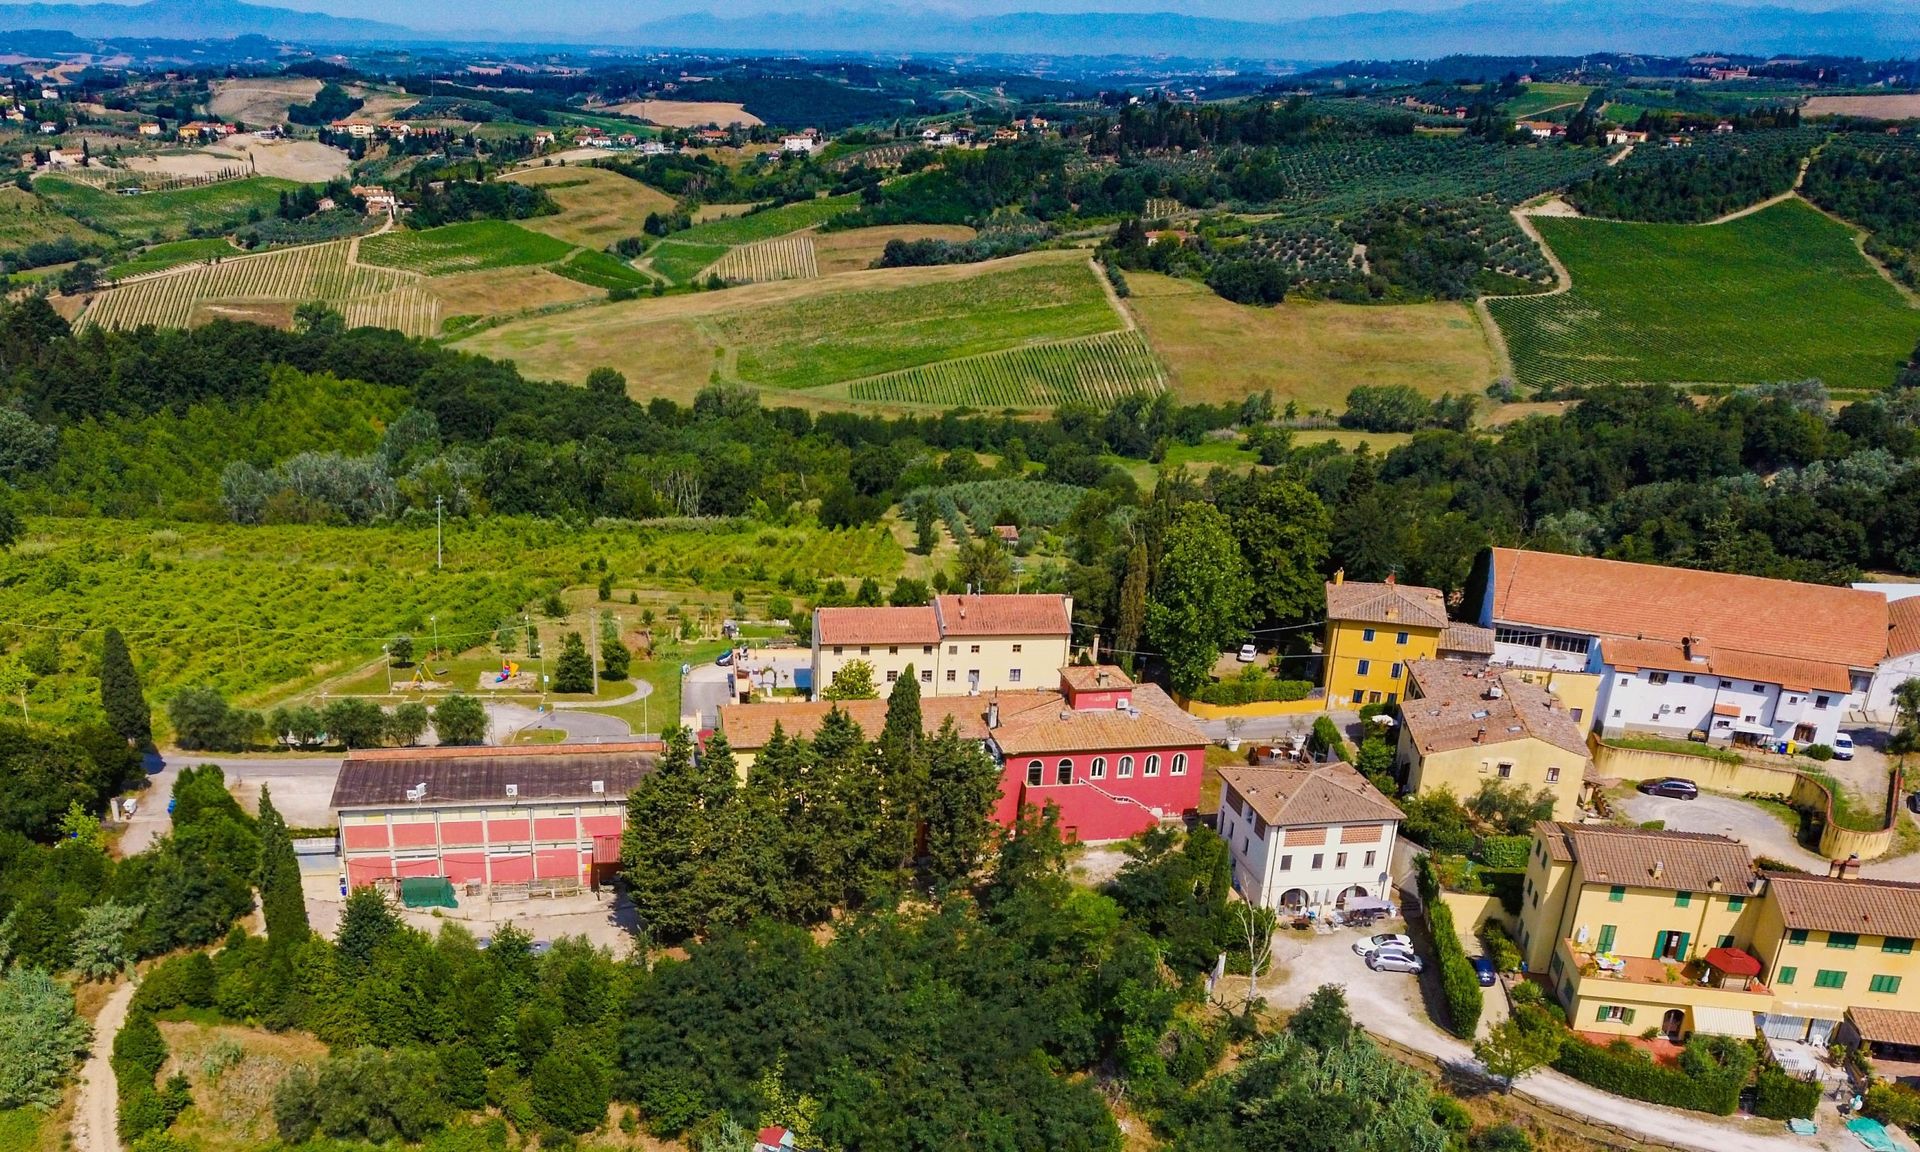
1579,691
1543,901
1263,708
1347,647
1859,965
1464,769
1037,658
1646,1004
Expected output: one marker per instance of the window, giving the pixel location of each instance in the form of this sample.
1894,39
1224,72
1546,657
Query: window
974,648
1063,772
1567,643
893,650
1686,679
1820,701
1888,984
836,649
1153,765
1367,635
1034,769
1616,713
1400,638
1617,893
1099,772
926,675
1358,695
1016,649
1726,941
1785,976
1373,697
1013,675
1898,945
1736,903
1726,683
864,649
1339,859
1286,863
1179,763
1680,710
1682,899
1576,713
1553,774
1259,826
1506,771
1126,767
1615,1013
1605,943
1797,936
1396,670
1368,861
1515,636
950,675
1828,978
1365,667
926,649
892,676
1656,677
1846,941
1319,860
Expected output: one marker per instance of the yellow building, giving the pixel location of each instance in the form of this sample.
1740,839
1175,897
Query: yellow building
1374,631
961,645
1464,724
1675,932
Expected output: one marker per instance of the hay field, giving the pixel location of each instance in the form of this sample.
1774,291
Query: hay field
687,113
1892,106
260,99
497,290
858,248
597,207
1218,351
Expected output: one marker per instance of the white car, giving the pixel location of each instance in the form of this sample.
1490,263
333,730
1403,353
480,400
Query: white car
1842,746
1248,653
1395,960
1373,944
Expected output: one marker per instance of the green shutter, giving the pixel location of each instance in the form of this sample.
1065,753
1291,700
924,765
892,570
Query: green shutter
1797,936
1843,940
1606,938
1600,1013
1884,984
1898,945
1626,1016
1682,899
1786,975
1680,953
1617,893
1827,978
1736,904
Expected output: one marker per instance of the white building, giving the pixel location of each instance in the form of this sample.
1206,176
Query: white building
1679,651
802,145
1307,836
1903,657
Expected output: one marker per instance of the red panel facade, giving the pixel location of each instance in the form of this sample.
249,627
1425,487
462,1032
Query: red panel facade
462,867
362,837
598,826
366,870
511,869
506,849
414,836
461,832
1108,806
556,863
555,828
509,831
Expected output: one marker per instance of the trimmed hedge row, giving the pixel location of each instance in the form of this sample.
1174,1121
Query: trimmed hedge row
1712,1071
1459,986
1505,852
1229,692
1779,1096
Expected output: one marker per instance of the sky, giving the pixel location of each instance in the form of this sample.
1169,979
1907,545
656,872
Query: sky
592,15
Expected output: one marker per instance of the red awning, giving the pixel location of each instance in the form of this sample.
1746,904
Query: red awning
1733,962
1725,709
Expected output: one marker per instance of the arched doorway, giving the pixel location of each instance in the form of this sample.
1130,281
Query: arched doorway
1295,900
1672,1023
1356,891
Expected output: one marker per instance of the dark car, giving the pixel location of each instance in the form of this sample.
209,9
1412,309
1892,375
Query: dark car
1672,786
1483,968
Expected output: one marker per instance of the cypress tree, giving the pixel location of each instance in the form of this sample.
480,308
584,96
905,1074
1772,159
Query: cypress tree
281,901
963,784
903,771
1133,607
120,693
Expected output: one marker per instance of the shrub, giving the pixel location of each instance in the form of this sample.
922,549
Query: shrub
1459,986
1712,1071
1779,1096
1505,851
1896,1104
1500,947
1819,751
1231,692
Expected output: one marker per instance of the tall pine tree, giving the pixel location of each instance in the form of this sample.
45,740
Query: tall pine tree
1133,607
661,854
903,771
963,786
282,903
120,693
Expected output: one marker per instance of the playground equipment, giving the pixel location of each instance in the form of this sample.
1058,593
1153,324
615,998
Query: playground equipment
419,680
508,670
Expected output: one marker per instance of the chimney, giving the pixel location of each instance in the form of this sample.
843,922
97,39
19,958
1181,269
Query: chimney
1659,869
1340,576
1096,647
1850,867
1480,737
993,714
1834,867
1389,579
1713,885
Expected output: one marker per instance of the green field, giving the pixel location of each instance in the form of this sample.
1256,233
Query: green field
20,1129
469,247
1540,97
602,270
158,216
27,219
680,263
262,612
850,335
767,223
162,256
1096,370
1779,295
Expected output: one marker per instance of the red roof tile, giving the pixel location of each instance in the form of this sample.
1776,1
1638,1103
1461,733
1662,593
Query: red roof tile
1370,603
1028,615
1658,655
1903,633
877,625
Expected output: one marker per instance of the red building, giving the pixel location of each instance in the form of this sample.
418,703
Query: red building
492,815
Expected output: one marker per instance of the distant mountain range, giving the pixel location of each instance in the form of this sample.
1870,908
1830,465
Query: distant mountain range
1504,27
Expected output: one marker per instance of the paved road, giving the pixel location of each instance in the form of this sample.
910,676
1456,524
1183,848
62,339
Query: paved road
302,788
96,1122
1756,828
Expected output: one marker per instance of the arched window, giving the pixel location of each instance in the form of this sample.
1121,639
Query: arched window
1153,765
1063,771
1126,767
1179,763
1034,769
1099,771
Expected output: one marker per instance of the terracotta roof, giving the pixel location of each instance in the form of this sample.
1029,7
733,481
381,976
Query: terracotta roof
1555,835
1684,861
380,777
1332,793
877,625
1583,594
1029,615
1886,1025
750,726
1869,907
1368,603
1659,655
1470,638
1091,730
1095,677
1903,631
1453,709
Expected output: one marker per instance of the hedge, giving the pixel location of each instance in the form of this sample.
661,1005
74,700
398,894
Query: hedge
1231,692
139,1052
1894,1104
1712,1071
1779,1096
1505,851
1500,947
1459,984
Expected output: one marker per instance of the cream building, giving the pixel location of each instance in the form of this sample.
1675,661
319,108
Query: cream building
959,645
1463,724
1307,836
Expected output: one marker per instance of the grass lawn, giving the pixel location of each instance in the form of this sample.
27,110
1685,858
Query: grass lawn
1677,748
20,1129
27,219
466,247
681,262
597,207
1782,294
768,222
828,338
1216,351
164,215
167,255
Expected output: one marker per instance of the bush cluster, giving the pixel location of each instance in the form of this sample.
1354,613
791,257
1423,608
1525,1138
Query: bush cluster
1459,986
1778,1096
1895,1104
1500,947
1505,852
1253,691
1712,1071
139,1052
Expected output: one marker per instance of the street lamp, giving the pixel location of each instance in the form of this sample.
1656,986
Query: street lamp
436,634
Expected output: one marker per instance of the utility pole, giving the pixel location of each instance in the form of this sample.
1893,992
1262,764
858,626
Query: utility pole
593,640
387,659
439,536
436,634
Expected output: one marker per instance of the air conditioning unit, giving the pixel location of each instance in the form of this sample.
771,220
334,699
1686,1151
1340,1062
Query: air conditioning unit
599,787
512,791
1665,708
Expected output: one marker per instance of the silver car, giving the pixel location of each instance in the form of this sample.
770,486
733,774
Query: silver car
1396,960
1373,944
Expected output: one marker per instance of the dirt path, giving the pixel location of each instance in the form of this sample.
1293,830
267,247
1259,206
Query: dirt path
1562,283
1113,296
96,1124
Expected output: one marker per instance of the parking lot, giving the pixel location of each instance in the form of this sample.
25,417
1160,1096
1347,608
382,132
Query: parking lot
603,919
